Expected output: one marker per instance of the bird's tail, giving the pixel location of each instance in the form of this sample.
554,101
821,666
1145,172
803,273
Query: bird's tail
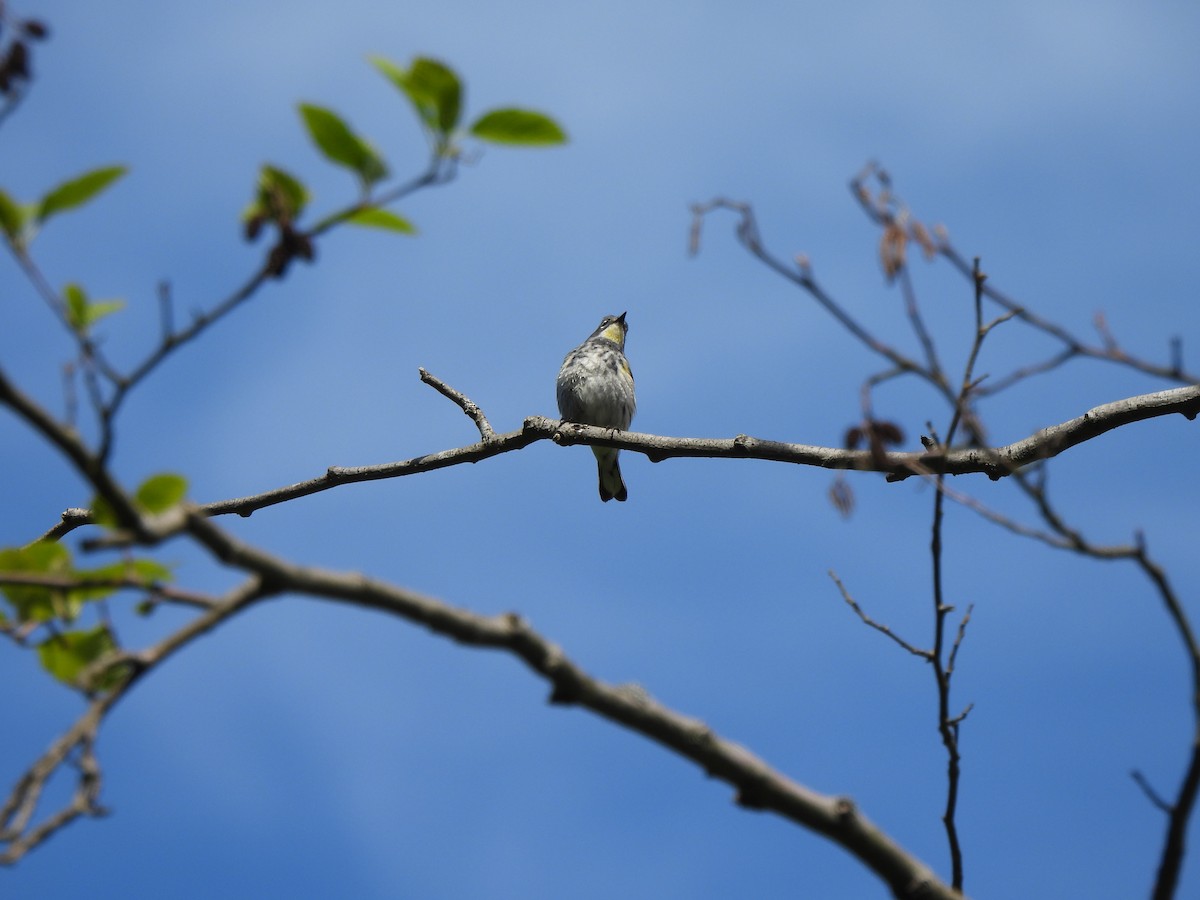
611,484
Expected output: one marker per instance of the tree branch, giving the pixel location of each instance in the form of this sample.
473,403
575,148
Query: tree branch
758,786
995,463
878,626
17,814
465,403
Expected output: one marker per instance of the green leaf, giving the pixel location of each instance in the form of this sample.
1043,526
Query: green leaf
82,313
147,572
437,82
101,308
155,495
102,513
77,304
394,73
158,493
12,217
150,571
67,654
31,602
432,87
334,138
518,126
381,218
77,191
278,196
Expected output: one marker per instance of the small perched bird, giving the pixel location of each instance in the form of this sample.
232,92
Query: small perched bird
595,387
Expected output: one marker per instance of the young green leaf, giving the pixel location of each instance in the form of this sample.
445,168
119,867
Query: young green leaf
33,603
67,654
339,144
82,313
102,513
279,196
392,72
518,126
12,217
439,83
158,493
432,87
77,305
381,218
77,191
98,309
146,572
149,571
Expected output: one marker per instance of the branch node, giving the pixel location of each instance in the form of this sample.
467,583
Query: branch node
845,810
749,799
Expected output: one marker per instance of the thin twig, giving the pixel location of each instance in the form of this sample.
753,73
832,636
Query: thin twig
1152,795
465,404
878,626
958,639
166,310
69,520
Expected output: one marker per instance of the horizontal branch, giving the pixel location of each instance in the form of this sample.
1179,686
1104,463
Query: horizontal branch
995,463
339,475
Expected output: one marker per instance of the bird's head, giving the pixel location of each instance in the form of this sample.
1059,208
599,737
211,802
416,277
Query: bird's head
613,328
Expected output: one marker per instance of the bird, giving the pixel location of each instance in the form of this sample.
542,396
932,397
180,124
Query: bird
595,387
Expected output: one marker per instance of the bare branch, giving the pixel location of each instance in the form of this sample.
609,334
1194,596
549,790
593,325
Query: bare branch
339,475
71,519
996,463
166,310
17,814
758,785
1074,348
878,626
1152,795
958,639
464,403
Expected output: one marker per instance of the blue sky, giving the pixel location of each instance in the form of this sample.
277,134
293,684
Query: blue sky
313,750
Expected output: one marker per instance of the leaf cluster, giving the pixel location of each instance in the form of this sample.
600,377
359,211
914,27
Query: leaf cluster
435,93
45,591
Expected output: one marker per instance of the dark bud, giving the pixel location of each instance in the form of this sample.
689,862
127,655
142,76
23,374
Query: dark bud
853,438
880,435
18,60
891,250
888,433
278,259
35,29
841,495
304,247
254,226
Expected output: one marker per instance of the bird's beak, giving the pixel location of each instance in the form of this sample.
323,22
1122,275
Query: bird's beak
621,317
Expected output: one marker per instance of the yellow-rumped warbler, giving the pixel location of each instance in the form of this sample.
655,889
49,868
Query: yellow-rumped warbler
595,387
